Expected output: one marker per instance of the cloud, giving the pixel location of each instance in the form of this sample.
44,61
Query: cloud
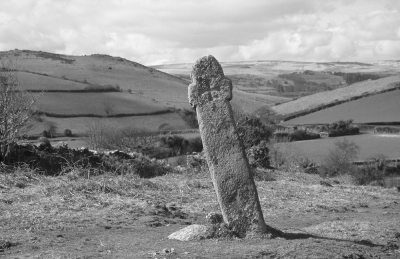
178,31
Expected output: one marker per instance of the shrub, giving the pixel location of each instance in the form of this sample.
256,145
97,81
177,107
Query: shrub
259,155
340,159
286,157
367,174
68,133
102,134
342,128
299,135
158,152
44,143
252,131
195,145
386,129
16,109
54,161
197,163
46,134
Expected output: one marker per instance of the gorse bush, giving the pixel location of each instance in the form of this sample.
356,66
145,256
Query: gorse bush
259,155
252,131
180,145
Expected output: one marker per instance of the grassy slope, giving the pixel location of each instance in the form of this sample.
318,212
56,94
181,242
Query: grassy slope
78,125
94,103
323,98
103,70
370,146
152,90
383,107
29,81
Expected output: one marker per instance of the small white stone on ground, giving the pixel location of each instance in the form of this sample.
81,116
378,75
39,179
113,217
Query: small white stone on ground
192,232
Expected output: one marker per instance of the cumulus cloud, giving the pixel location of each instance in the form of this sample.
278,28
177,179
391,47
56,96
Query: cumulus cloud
178,31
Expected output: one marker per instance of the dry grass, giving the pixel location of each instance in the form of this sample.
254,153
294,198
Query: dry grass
52,201
104,215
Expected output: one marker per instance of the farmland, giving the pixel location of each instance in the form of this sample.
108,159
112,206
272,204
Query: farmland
96,103
334,96
383,107
370,145
78,125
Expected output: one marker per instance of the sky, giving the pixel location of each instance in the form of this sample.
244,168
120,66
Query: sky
154,32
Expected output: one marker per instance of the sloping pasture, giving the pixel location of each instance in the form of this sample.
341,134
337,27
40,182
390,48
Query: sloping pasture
29,81
78,125
341,94
96,103
370,146
106,70
383,107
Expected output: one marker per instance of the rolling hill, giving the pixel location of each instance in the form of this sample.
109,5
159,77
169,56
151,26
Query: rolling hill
275,82
379,108
134,89
330,98
70,88
46,71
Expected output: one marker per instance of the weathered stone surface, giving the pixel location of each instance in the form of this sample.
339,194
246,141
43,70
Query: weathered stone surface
192,232
210,93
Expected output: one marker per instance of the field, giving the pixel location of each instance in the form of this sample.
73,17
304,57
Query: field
341,94
29,81
142,90
96,103
370,146
377,108
172,121
122,216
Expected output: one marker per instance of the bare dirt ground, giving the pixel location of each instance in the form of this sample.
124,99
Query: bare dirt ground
109,216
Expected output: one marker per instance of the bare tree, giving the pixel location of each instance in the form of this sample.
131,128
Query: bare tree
97,131
103,134
108,107
16,109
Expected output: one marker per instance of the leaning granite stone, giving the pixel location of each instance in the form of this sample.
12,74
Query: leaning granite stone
192,232
210,93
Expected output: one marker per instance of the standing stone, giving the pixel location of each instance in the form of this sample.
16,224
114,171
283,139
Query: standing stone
210,93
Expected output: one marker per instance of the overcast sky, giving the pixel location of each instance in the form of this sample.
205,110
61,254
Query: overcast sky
181,31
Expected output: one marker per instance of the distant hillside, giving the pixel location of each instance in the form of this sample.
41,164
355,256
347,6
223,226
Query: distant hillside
76,89
271,82
330,98
379,108
42,70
